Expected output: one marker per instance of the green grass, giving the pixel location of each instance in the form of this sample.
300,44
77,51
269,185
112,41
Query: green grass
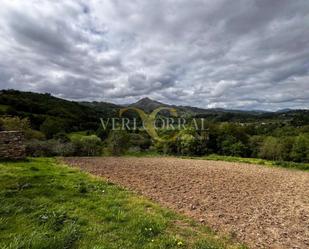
283,164
47,205
215,157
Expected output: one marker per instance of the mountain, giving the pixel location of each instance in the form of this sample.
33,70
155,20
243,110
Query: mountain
74,116
147,104
283,110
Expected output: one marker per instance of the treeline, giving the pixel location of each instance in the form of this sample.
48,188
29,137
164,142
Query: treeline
267,141
49,123
278,142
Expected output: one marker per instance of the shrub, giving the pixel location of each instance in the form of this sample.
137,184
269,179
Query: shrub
48,148
15,123
118,142
39,148
271,149
64,149
139,140
62,137
88,146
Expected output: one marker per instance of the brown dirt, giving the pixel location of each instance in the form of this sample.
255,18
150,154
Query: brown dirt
262,207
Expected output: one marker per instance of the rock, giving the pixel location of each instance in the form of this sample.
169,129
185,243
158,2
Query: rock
12,145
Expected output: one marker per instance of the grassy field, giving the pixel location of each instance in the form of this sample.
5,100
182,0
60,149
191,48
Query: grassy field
283,164
214,157
45,204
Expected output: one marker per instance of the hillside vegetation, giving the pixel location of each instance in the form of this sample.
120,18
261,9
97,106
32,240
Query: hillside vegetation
55,126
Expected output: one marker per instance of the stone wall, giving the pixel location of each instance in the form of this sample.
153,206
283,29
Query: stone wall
12,145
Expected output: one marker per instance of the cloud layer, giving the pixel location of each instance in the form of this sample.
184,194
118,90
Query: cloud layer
247,54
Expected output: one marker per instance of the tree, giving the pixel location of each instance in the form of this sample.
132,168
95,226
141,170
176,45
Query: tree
186,144
230,146
102,133
300,149
255,142
142,141
51,127
271,149
15,123
118,142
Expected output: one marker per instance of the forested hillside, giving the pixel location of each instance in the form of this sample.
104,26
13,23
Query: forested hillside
282,135
46,111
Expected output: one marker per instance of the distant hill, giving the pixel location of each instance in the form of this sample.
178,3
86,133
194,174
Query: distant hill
147,104
104,108
74,116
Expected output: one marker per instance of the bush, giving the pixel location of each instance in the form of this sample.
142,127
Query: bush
139,140
15,123
88,146
64,149
118,142
62,137
271,149
37,148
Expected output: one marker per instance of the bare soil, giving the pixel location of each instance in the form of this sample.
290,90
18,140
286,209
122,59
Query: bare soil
262,207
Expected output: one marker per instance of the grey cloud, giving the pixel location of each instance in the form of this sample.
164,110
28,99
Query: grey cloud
39,35
241,54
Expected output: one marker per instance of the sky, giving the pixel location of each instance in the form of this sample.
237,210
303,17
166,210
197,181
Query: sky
245,54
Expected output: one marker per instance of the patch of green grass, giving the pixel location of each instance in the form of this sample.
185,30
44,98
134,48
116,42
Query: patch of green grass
284,164
215,157
47,205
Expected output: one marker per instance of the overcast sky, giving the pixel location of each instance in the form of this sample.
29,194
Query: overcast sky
242,54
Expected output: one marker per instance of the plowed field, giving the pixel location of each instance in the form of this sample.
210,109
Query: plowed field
263,207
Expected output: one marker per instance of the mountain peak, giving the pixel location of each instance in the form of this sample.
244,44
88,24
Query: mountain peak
145,99
147,104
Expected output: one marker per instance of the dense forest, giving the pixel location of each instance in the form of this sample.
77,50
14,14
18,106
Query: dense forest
54,126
